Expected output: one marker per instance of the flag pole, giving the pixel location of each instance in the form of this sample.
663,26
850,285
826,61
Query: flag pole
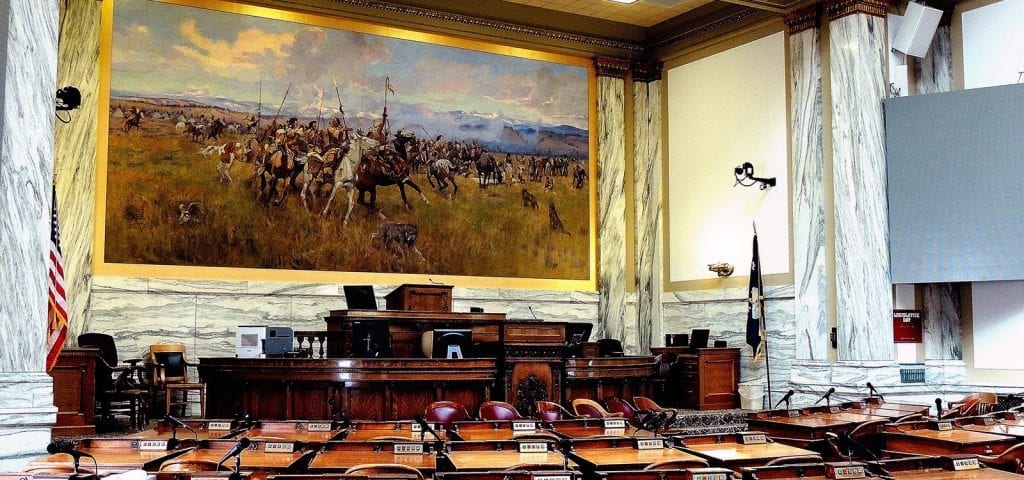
764,327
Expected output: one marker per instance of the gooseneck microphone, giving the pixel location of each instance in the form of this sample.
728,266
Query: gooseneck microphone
175,423
938,409
236,452
338,416
826,396
70,447
425,425
872,393
786,398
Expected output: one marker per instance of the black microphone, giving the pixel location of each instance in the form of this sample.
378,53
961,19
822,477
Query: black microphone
786,398
938,409
874,393
69,447
175,423
235,451
826,396
426,426
338,416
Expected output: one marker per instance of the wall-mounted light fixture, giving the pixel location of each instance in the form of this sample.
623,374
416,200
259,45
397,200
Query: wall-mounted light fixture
745,176
723,269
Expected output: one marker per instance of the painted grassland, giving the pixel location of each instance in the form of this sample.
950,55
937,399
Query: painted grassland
153,172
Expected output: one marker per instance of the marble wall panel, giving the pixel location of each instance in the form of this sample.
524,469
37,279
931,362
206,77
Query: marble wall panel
934,72
858,84
808,166
611,209
137,320
75,162
29,56
942,323
647,174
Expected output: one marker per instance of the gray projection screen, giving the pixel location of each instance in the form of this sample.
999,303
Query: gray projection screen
956,185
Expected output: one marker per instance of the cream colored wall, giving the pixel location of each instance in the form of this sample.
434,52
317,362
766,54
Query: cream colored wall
723,110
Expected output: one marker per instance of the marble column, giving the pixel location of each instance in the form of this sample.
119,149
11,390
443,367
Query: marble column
611,201
28,57
647,196
858,83
934,72
943,331
75,163
806,143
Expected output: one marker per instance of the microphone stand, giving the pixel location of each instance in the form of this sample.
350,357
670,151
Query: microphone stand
235,475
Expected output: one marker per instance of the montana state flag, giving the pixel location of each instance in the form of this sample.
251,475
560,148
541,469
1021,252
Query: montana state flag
755,305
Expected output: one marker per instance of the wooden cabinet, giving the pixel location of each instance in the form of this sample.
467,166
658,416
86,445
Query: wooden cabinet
420,298
709,378
74,391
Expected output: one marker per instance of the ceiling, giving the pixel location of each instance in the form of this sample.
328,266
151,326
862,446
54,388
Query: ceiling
643,13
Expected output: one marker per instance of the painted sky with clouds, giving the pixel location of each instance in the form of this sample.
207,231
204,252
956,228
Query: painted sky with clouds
161,49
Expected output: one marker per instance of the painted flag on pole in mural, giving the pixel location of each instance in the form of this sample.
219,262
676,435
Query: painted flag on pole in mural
755,304
57,309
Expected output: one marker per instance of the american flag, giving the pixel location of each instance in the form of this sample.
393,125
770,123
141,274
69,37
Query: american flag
57,309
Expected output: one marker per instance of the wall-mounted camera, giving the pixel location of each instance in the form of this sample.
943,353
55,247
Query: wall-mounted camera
745,176
68,98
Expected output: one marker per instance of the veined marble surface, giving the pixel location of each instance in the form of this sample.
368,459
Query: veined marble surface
809,274
75,163
943,333
204,314
724,312
611,207
26,163
934,72
863,288
647,173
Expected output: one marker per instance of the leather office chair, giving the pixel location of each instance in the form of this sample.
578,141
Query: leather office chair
644,403
585,407
170,376
194,465
609,347
618,405
494,410
119,387
373,469
1011,460
551,411
446,413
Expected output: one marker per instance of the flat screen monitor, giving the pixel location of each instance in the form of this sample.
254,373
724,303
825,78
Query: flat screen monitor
371,340
452,343
577,333
360,297
699,338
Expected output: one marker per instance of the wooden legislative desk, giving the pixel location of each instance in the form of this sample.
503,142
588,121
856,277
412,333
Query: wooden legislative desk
373,389
598,378
498,455
600,454
805,425
499,431
340,456
726,451
592,428
203,431
924,439
878,407
307,432
674,474
256,459
394,431
937,468
112,456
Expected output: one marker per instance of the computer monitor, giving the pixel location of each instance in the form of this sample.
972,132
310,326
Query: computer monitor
699,338
452,343
360,297
577,333
371,339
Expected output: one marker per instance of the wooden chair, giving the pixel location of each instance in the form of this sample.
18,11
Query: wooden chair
551,411
585,407
677,464
973,404
194,465
373,469
1011,460
170,374
445,412
119,387
495,410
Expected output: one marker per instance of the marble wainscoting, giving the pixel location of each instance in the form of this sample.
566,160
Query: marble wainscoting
725,313
204,315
